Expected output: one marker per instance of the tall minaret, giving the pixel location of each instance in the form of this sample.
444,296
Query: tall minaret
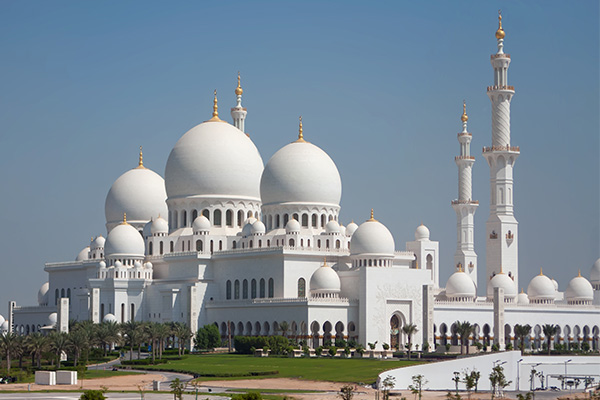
238,113
502,227
465,257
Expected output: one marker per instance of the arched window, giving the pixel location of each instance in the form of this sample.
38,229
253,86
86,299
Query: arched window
161,247
319,243
228,290
286,219
327,244
122,313
307,242
271,287
184,218
183,246
250,244
171,246
101,311
217,219
253,288
206,213
262,288
234,244
220,245
240,217
212,245
56,297
236,289
249,214
150,248
194,215
337,244
305,220
277,221
229,218
69,293
292,243
323,220
175,220
301,287
62,293
429,261
245,289
296,217
132,315
198,245
314,220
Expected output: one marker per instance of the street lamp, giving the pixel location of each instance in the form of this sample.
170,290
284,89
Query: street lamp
565,377
518,379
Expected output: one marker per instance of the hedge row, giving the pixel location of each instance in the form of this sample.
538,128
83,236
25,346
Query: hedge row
246,344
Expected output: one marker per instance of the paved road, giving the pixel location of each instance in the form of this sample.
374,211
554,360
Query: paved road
121,396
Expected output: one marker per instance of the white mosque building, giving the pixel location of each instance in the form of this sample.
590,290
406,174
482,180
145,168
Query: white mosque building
224,239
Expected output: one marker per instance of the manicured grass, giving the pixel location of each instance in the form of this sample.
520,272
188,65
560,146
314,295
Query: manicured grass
100,373
319,369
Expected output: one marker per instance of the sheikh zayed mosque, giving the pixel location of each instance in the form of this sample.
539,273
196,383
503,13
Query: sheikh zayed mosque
224,239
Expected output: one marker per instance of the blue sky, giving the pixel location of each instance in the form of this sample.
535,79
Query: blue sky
379,85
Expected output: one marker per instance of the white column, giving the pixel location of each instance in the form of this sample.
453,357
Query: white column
499,317
95,306
63,315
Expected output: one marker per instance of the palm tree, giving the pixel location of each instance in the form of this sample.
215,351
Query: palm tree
464,330
19,349
284,327
133,333
37,344
164,331
183,335
409,330
152,333
59,342
78,342
521,331
549,330
8,346
106,334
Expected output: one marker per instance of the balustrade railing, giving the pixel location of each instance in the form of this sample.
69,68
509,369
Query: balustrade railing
464,158
503,55
465,201
500,87
501,148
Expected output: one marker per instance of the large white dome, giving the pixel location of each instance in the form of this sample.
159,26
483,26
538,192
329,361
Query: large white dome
214,159
109,318
460,285
124,241
301,173
372,237
503,281
43,294
541,288
595,273
140,193
579,289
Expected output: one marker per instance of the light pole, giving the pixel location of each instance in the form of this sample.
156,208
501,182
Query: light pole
565,376
518,379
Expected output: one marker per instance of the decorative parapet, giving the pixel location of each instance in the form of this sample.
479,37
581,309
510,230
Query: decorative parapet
514,149
500,87
465,202
502,55
464,158
464,134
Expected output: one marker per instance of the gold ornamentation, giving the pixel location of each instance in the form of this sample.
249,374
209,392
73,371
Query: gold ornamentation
141,160
464,117
238,90
300,132
124,219
215,114
500,32
541,272
372,216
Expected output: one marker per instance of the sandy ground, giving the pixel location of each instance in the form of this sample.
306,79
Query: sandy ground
125,382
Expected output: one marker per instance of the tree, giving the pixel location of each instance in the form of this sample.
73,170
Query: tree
92,395
77,342
59,342
346,392
409,330
152,333
417,386
522,331
470,379
177,388
183,335
498,380
207,337
36,345
549,330
284,327
464,330
456,380
133,332
107,334
388,384
8,344
164,331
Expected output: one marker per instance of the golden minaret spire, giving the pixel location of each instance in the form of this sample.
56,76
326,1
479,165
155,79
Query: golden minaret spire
500,32
141,160
464,117
300,132
238,90
372,216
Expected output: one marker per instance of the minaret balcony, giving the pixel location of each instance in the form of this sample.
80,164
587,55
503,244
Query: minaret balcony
501,55
464,158
463,134
501,87
507,148
465,202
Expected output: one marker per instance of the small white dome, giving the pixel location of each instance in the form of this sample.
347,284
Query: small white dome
4,327
503,281
84,254
140,193
332,227
292,226
102,264
159,226
214,159
124,241
52,318
109,318
118,264
342,230
460,285
325,280
541,288
258,228
148,265
351,228
555,284
522,298
137,264
372,237
579,289
595,273
247,230
98,243
2,320
43,294
422,233
301,173
201,224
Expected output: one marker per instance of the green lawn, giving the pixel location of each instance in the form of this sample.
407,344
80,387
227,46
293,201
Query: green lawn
320,369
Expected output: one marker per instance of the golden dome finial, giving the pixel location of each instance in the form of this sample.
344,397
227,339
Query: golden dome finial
300,132
141,160
522,291
500,32
238,90
579,273
464,117
501,270
215,114
541,272
325,262
124,219
460,268
372,216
